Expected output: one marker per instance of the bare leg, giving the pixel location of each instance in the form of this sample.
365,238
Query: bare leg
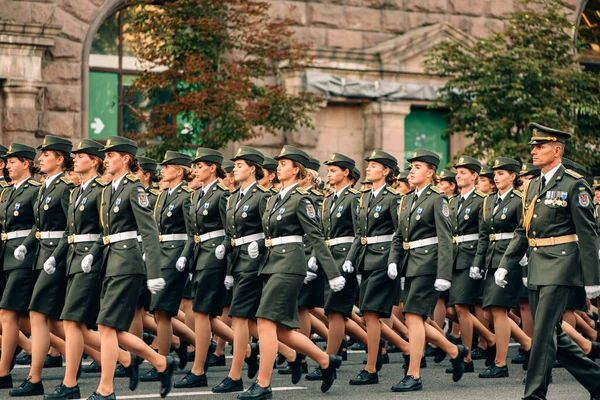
10,335
526,318
391,336
40,335
109,354
241,336
302,344
165,331
304,319
137,325
502,329
479,315
319,327
577,337
416,333
336,332
202,341
220,350
137,346
439,314
373,337
267,333
569,317
466,326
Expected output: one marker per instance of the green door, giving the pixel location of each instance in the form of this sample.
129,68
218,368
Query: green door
104,105
425,129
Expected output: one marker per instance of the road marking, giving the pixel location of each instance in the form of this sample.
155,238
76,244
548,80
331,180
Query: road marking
207,393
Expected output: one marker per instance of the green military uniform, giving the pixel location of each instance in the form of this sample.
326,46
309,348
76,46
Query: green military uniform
377,222
209,205
464,214
499,219
228,166
338,216
487,172
125,212
82,300
529,169
244,226
174,219
50,212
16,211
422,244
270,165
286,219
447,175
559,225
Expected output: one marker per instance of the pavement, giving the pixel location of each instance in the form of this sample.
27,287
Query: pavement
437,384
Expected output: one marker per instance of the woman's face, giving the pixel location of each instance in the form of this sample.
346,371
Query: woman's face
83,163
241,171
286,170
49,161
203,172
17,169
485,185
267,178
419,174
170,173
114,162
465,177
376,172
336,175
504,180
403,187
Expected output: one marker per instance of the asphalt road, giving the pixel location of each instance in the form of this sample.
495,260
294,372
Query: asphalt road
437,384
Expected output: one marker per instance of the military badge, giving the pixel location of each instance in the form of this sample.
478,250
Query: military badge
143,199
584,199
310,211
445,210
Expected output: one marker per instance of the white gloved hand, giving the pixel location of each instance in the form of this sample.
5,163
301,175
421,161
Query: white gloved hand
441,285
475,273
50,265
253,250
336,284
228,282
392,271
86,263
156,285
312,264
144,257
402,280
310,276
525,281
180,265
220,252
499,277
523,261
592,291
359,278
598,254
20,252
348,267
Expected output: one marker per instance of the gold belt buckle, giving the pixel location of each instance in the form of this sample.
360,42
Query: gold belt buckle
269,242
492,237
71,239
160,238
327,243
454,239
406,246
532,242
197,238
363,241
38,235
232,242
106,239
4,237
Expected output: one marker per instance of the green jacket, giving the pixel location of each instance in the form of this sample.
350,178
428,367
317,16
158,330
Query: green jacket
466,222
430,217
340,221
569,264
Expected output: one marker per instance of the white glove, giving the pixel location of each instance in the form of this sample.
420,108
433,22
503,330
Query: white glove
598,254
50,265
228,282
348,267
525,281
144,257
86,263
337,284
392,271
441,285
359,278
180,265
20,252
475,273
310,276
253,250
499,277
592,291
524,260
220,252
312,264
156,285
402,280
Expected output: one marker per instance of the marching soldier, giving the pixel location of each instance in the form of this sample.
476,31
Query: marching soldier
269,167
485,183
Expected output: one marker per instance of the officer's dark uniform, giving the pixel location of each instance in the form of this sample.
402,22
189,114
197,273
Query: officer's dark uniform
559,225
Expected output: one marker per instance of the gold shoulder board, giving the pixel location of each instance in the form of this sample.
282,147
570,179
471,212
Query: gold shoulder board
573,174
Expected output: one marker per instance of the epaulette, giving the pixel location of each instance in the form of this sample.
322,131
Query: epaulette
66,180
480,193
4,184
518,193
34,183
392,190
188,189
101,181
132,177
316,192
353,191
436,189
365,190
262,188
155,192
301,190
274,190
573,174
223,187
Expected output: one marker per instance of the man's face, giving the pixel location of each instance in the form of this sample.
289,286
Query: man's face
544,154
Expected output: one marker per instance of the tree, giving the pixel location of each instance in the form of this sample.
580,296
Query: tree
527,73
221,63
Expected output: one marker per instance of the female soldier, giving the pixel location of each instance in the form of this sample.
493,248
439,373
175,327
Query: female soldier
244,238
501,214
422,247
125,211
289,215
485,183
48,295
403,185
16,212
269,167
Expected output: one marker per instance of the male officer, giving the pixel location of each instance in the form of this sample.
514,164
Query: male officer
559,226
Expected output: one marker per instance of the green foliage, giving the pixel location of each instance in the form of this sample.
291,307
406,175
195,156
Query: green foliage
527,73
222,63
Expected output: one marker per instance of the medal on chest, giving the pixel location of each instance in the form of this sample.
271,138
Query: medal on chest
467,212
205,211
281,211
170,212
377,209
244,210
82,206
504,211
16,212
339,211
117,204
419,212
46,206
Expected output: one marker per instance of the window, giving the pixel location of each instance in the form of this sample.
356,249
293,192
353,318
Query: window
425,129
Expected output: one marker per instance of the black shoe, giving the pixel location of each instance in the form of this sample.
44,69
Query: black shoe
490,358
528,356
166,377
458,363
429,350
190,380
28,389
93,368
79,369
64,393
120,371
329,373
364,377
215,361
280,359
98,396
256,392
252,361
557,364
385,358
53,362
228,385
23,359
392,348
343,354
358,346
406,363
316,375
520,358
150,376
440,355
6,382
469,367
181,352
148,338
133,372
495,372
297,367
379,363
595,352
453,339
478,354
423,362
211,349
191,356
408,384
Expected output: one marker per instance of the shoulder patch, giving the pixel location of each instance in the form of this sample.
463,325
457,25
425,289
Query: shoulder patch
223,187
101,182
34,183
392,190
262,188
480,193
155,192
187,189
518,193
4,184
436,189
301,190
274,190
66,180
353,191
573,174
310,210
316,192
132,177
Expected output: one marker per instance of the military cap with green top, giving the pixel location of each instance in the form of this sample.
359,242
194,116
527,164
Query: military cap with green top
204,154
506,164
249,154
20,150
56,143
448,176
340,160
541,134
120,144
313,164
469,163
270,164
596,182
487,172
529,169
570,164
426,156
228,166
383,158
147,164
3,151
91,147
176,158
356,174
397,170
295,154
403,177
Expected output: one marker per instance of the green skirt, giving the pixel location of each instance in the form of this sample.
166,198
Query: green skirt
464,290
118,300
421,296
18,288
82,301
246,292
279,300
169,299
48,295
209,291
378,292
